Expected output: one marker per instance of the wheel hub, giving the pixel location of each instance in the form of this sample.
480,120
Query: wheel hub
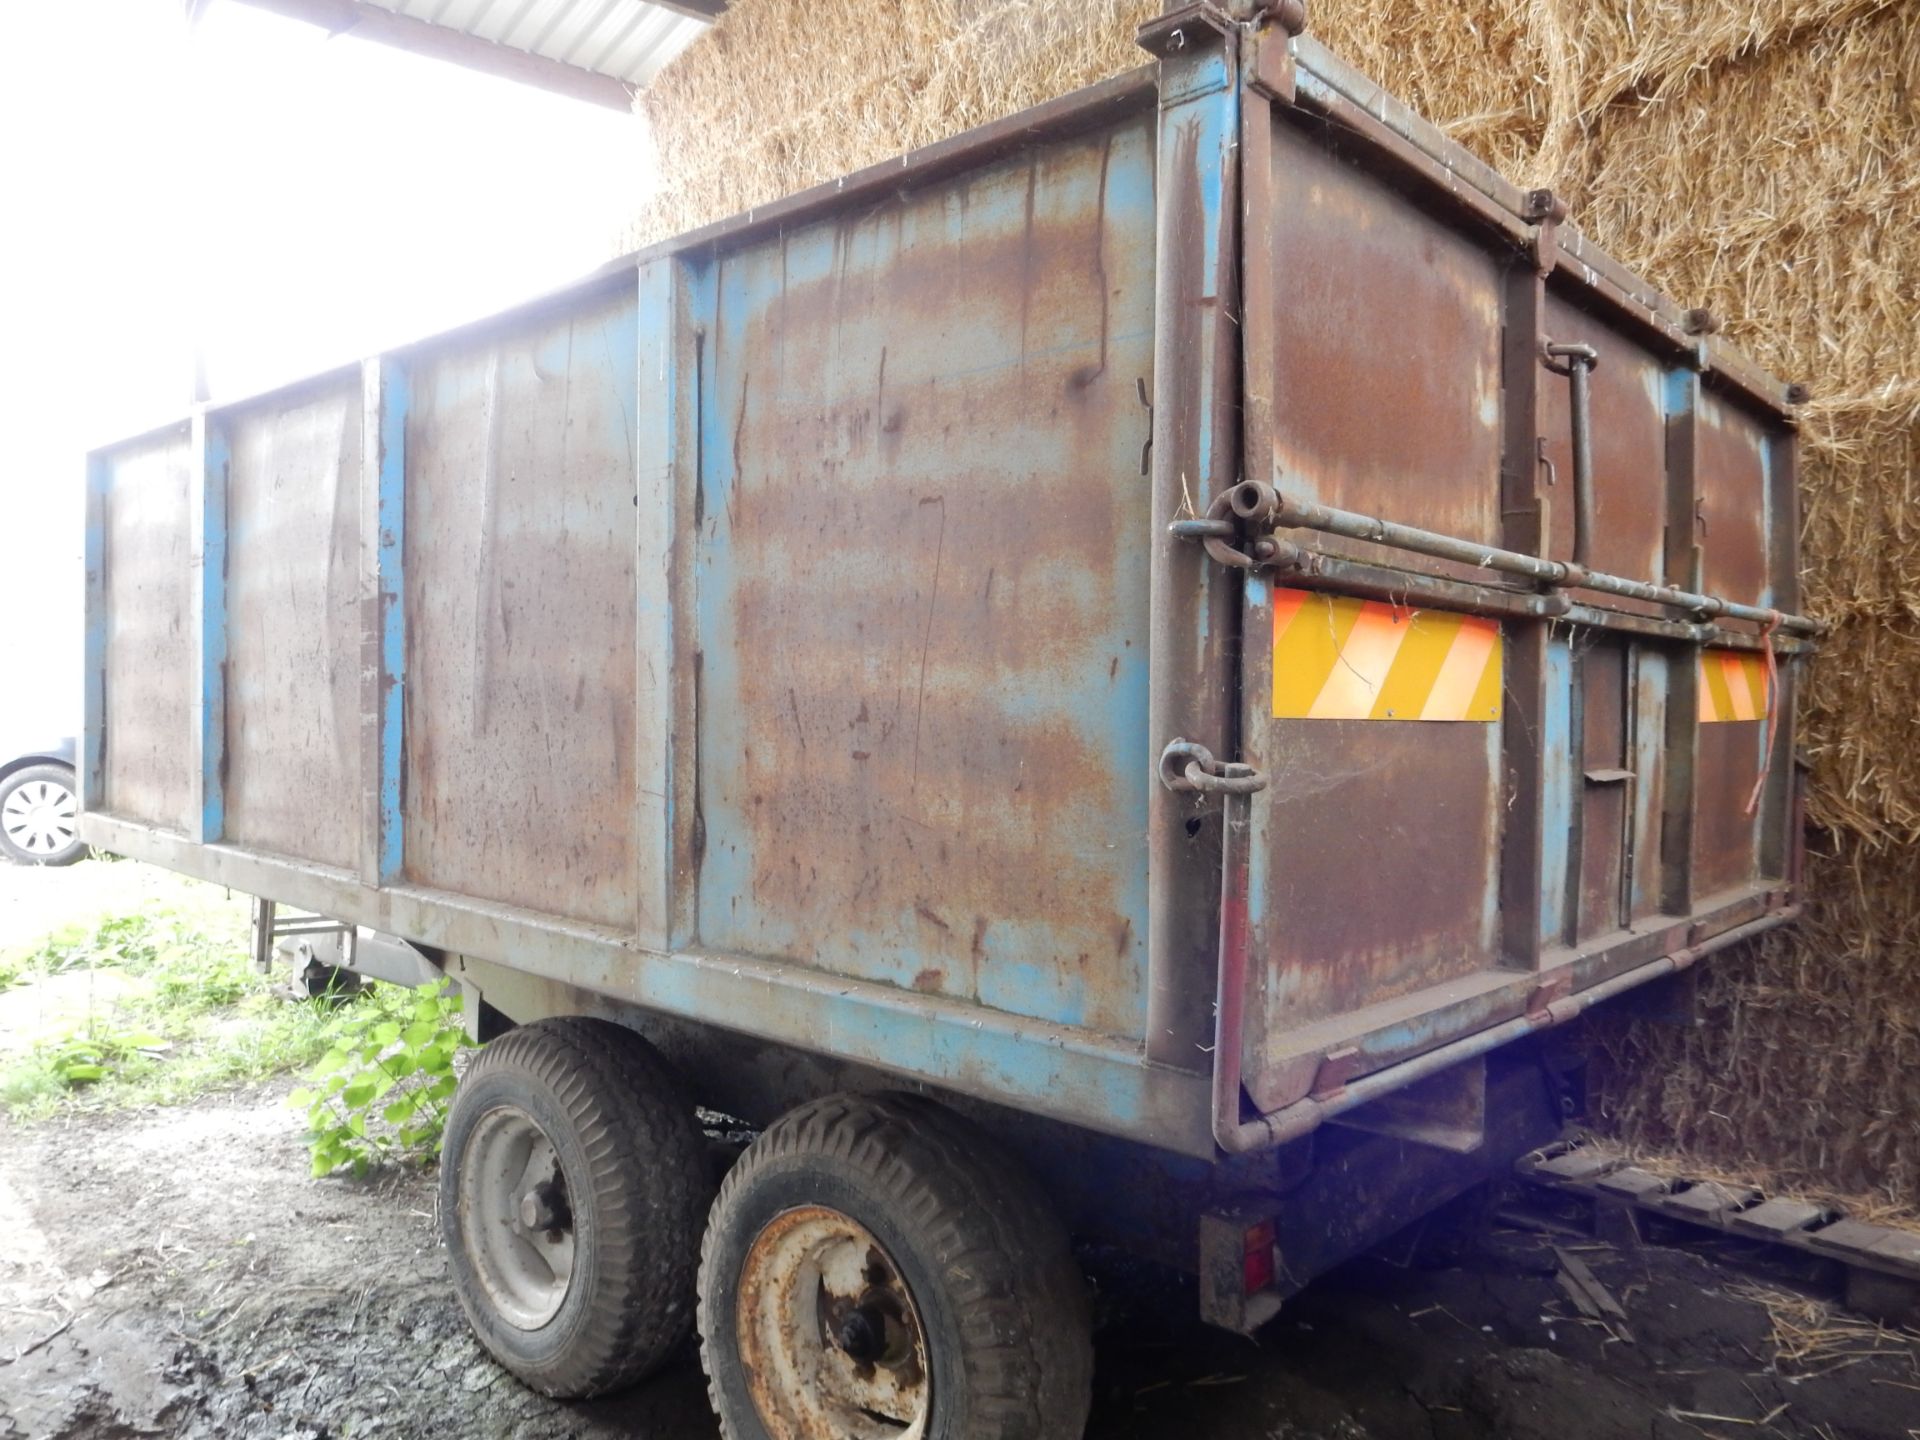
863,1335
40,817
519,1225
830,1334
544,1208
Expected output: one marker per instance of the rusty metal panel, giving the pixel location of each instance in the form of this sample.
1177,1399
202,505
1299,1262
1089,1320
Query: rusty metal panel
1629,447
1734,514
1376,848
148,719
923,588
1740,514
1381,860
1386,365
519,569
1376,862
1725,836
1648,761
293,626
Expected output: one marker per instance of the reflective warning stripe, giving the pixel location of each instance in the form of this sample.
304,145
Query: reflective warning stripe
1338,658
1733,686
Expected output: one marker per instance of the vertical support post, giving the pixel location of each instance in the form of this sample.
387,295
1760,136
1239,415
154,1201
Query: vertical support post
672,317
676,315
1636,781
1524,527
1195,455
207,519
386,399
1579,658
93,753
1683,567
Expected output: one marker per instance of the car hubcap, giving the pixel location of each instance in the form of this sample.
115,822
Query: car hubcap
830,1336
40,817
518,1222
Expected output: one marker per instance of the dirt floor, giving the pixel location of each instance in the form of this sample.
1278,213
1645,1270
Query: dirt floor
175,1272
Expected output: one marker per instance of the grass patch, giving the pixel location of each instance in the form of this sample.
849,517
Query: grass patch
158,1007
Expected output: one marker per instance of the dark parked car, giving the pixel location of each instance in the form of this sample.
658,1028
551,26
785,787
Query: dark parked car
40,805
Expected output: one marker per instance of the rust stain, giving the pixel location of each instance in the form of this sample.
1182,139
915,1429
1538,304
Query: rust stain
1374,291
979,739
517,609
926,637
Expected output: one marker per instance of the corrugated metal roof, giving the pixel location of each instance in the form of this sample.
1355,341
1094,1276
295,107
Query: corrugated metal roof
626,40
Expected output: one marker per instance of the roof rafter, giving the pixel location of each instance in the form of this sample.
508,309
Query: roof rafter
369,21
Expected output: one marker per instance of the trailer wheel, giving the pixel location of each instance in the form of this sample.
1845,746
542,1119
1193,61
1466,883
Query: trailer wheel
573,1184
877,1269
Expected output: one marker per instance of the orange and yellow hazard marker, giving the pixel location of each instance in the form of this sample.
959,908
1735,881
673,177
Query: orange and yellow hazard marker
1340,658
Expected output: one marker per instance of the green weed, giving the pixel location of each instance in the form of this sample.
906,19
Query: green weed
385,1082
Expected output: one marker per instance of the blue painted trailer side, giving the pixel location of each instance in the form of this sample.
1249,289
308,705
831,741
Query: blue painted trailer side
921,571
778,629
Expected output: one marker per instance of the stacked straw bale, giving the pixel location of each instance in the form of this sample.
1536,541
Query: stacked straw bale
1759,157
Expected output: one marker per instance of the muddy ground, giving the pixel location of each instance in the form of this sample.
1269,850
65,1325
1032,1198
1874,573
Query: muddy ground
176,1273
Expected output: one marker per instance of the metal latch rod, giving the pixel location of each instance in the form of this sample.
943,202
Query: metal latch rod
1578,362
1257,503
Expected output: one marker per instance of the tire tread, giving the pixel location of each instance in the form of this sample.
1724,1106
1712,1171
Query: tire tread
649,1186
1019,1295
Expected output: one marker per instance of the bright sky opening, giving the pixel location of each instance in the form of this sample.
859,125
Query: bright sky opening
275,199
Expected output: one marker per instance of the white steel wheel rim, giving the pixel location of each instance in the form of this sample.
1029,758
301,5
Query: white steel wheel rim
829,1334
519,1230
41,817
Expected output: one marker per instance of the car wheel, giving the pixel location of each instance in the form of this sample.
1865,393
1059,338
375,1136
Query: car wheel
573,1184
876,1268
40,816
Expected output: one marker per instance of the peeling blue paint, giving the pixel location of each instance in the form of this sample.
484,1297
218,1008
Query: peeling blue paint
212,463
1558,775
392,404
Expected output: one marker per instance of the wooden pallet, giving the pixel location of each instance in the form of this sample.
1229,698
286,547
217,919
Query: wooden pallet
1880,1264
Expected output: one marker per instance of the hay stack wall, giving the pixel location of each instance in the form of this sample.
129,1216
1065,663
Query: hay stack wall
1759,157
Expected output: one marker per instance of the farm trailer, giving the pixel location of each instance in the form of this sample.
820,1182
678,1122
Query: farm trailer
1113,675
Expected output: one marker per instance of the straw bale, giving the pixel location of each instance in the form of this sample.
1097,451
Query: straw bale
1759,157
1773,175
1781,192
1797,1069
1645,45
779,96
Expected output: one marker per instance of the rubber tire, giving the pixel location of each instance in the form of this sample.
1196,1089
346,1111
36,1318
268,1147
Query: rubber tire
1002,1303
61,775
638,1183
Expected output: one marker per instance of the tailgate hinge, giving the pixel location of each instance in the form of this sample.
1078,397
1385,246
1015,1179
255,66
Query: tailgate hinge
1185,765
1238,528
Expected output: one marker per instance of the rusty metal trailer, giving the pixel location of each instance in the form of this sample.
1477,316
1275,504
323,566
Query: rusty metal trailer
1176,628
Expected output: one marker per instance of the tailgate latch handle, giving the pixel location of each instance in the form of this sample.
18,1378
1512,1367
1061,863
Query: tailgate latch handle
1186,765
1576,362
